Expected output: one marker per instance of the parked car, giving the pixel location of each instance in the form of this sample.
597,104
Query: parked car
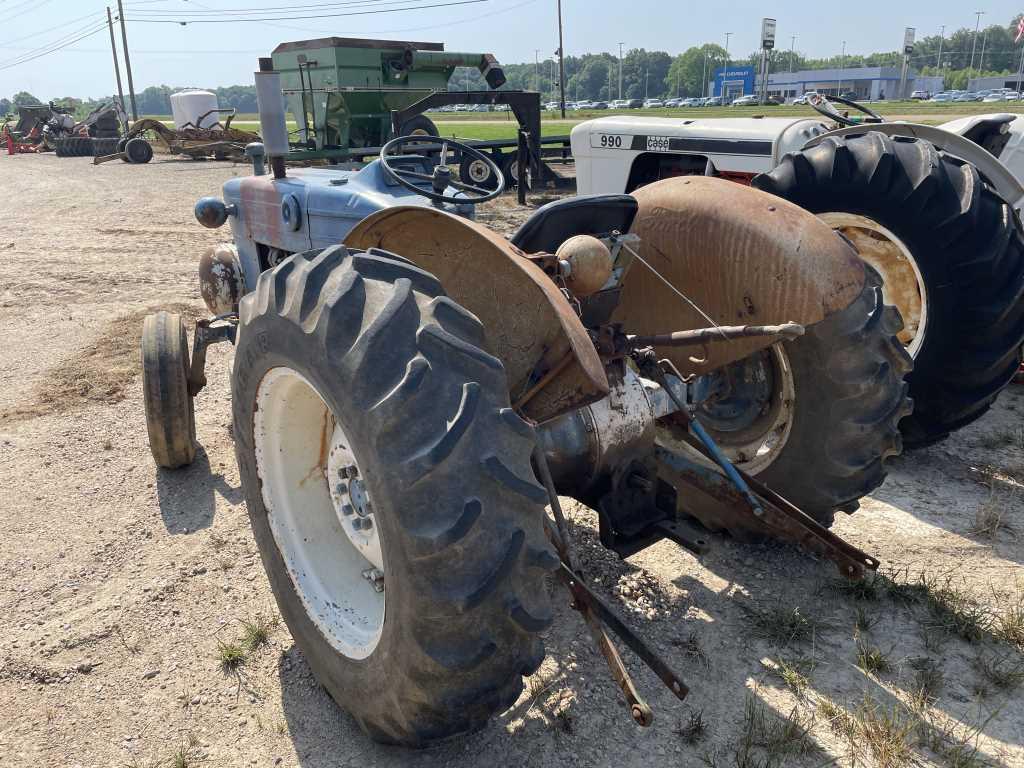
691,102
713,101
803,99
634,103
672,102
599,105
963,97
1011,96
653,104
746,101
920,95
552,105
943,98
994,97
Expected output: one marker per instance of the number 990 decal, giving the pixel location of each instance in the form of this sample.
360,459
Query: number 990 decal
610,141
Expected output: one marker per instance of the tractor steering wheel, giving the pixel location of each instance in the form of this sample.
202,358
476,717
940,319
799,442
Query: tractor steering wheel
823,105
442,177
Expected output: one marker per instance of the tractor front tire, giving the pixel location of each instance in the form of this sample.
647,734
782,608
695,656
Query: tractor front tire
170,414
361,355
846,399
964,243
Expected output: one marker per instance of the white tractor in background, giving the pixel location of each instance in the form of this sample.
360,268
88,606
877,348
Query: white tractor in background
934,209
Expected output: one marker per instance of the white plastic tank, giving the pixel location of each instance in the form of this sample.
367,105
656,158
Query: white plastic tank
189,106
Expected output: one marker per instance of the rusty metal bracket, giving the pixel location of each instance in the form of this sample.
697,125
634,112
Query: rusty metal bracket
209,331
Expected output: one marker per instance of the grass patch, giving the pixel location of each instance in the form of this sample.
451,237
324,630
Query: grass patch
1009,623
990,516
187,754
782,625
865,622
693,729
767,739
871,587
1005,672
256,632
794,673
693,650
872,659
230,656
928,680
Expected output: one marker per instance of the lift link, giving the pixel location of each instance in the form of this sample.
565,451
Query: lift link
597,615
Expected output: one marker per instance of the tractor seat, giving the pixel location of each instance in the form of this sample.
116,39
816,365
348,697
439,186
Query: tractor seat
554,223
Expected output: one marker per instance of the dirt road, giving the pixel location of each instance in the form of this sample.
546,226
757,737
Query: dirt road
121,586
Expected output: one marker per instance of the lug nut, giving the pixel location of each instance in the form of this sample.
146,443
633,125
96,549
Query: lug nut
341,488
346,509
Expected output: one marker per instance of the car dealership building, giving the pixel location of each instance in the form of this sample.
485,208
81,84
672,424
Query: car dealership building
868,83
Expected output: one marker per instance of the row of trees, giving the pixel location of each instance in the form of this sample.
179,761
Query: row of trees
657,74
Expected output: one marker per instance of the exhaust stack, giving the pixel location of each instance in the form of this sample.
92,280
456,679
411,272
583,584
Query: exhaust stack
273,127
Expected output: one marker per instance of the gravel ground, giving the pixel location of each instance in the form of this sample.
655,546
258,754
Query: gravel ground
119,583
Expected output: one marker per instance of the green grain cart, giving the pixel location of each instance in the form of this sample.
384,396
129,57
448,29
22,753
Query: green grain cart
341,91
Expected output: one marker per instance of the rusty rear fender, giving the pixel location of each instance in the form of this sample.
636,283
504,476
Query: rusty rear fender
743,256
551,363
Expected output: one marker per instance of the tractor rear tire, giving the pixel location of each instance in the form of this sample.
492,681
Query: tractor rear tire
399,370
849,395
104,146
138,151
170,414
966,244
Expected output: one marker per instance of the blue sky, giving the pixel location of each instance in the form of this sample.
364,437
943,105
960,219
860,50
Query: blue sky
225,54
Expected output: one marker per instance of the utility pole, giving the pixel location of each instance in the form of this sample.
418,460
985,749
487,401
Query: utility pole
725,70
536,68
981,59
647,75
127,61
1020,69
704,75
974,44
620,71
942,38
113,49
792,45
839,85
561,63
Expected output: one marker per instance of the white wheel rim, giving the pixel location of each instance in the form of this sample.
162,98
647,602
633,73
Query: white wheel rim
758,453
902,284
319,512
479,171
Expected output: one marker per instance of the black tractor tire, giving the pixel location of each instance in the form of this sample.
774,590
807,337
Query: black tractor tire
60,147
170,414
105,146
489,182
419,125
447,464
850,395
968,245
138,151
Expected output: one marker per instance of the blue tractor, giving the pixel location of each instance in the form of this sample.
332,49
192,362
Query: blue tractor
410,390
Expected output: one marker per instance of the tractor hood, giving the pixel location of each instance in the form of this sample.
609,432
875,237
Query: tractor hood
310,208
606,148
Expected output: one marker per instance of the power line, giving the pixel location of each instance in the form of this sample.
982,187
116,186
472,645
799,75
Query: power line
202,10
183,22
51,29
53,49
